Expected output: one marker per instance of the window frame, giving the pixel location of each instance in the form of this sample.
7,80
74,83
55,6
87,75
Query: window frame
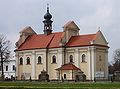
28,61
54,59
39,60
71,59
21,61
83,58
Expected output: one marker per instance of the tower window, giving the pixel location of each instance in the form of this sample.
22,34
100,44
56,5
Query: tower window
28,60
39,60
21,61
54,59
83,58
71,58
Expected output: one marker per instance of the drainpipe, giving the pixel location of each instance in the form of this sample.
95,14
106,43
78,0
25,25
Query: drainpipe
47,60
64,48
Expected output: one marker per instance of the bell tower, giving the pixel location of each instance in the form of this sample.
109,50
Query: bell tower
47,22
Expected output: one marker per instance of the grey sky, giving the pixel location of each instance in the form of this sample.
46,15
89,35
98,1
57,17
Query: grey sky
87,14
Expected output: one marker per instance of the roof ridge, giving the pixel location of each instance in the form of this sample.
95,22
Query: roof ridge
51,33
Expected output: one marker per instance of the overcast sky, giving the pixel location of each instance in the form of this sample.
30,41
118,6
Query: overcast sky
87,14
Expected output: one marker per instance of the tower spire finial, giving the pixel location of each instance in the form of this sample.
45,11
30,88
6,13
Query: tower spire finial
99,28
47,7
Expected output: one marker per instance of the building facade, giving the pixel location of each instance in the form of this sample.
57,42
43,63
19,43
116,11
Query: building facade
62,54
9,68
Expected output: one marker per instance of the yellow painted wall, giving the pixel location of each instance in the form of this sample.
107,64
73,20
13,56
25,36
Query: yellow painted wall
39,68
100,64
52,71
27,69
20,71
84,68
68,74
84,65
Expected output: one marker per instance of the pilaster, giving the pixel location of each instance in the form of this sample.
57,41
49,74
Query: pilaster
76,59
106,63
60,56
17,63
33,62
93,62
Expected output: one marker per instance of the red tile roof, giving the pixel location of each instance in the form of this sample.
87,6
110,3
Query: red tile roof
41,41
55,43
81,40
69,66
52,40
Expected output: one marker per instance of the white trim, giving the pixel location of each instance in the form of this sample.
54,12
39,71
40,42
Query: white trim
93,61
76,58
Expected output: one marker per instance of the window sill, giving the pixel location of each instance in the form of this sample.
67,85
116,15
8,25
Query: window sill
21,64
39,63
84,62
71,62
53,63
28,64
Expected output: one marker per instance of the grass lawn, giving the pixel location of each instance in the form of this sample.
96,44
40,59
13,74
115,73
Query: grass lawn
66,85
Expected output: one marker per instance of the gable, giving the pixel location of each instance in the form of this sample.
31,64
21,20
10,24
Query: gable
28,30
100,39
71,25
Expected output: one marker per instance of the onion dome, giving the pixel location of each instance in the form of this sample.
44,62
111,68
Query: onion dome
47,16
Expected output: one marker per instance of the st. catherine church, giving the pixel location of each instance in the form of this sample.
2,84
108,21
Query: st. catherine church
61,54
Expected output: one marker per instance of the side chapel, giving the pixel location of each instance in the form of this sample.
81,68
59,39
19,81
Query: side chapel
61,54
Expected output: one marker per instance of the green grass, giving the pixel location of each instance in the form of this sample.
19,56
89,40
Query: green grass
56,85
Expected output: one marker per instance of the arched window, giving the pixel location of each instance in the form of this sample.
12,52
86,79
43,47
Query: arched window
21,61
83,58
71,58
54,59
39,60
28,60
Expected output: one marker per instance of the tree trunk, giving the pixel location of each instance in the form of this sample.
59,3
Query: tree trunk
2,75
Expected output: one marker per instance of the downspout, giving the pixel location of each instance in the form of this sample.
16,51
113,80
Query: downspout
90,65
47,59
47,52
64,48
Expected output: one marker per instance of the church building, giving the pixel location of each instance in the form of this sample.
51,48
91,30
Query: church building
63,54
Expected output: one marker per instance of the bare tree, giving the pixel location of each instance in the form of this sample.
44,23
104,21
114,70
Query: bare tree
116,60
5,51
110,68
